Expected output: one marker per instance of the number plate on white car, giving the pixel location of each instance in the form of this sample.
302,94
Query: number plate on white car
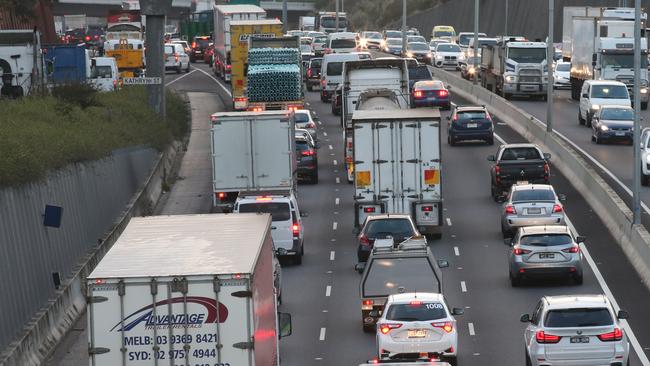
417,333
472,125
580,339
546,255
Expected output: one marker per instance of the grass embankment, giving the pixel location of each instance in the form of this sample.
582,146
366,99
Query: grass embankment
39,135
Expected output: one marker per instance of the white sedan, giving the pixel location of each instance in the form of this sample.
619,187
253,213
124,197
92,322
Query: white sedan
420,325
176,58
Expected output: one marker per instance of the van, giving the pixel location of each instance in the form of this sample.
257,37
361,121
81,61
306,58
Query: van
596,93
332,71
104,75
443,31
287,228
342,42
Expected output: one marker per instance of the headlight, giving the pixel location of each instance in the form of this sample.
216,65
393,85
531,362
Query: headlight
429,55
511,79
647,159
439,57
409,54
595,107
471,70
461,57
644,90
604,128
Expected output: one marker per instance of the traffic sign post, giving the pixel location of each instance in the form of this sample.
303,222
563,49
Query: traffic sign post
142,81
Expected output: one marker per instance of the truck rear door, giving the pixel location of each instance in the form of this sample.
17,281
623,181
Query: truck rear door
231,155
273,152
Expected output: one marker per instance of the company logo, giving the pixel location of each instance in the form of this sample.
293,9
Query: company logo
245,37
163,320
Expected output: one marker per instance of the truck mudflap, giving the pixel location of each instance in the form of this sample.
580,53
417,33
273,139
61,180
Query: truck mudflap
427,216
363,209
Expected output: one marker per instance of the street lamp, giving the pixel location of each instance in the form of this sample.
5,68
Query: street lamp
475,54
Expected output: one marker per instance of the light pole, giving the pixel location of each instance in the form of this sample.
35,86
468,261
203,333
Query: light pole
337,16
475,54
505,29
404,26
285,16
636,201
550,54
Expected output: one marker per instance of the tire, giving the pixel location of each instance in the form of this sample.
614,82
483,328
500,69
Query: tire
451,141
494,193
369,328
577,280
309,87
506,233
322,98
644,105
298,258
314,179
588,120
490,141
581,121
598,140
515,281
179,69
644,180
187,70
452,360
528,361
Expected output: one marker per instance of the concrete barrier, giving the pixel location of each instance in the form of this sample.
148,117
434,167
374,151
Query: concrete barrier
612,210
51,323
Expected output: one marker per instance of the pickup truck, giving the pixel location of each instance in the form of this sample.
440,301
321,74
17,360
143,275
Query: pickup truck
518,163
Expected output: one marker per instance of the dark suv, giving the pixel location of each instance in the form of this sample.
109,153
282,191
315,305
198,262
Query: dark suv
470,123
307,159
313,72
396,226
199,45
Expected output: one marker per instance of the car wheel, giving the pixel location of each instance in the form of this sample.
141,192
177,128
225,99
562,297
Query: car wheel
187,69
644,106
314,178
644,179
528,361
310,87
577,279
515,281
298,258
451,141
452,360
598,140
179,68
588,120
490,141
322,98
581,121
369,328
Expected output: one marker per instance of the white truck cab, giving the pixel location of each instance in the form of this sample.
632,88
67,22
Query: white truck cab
596,93
645,156
286,228
104,75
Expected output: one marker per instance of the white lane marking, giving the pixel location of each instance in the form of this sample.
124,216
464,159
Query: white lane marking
338,180
456,251
500,139
337,201
320,123
180,77
335,225
471,329
216,81
325,134
322,334
331,147
448,221
332,255
328,291
335,162
502,124
463,286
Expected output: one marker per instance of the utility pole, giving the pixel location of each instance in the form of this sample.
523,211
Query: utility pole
155,11
475,54
404,26
337,16
285,25
505,30
550,55
636,201
342,6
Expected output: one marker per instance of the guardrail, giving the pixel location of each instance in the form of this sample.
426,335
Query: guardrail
612,210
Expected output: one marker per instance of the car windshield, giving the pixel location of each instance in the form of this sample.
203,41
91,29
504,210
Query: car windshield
447,48
563,67
394,42
398,228
279,210
520,153
463,39
527,55
617,114
621,61
334,68
437,34
393,34
471,115
301,117
545,240
330,22
417,39
418,47
609,92
373,35
101,72
579,317
528,195
420,73
343,43
386,276
416,311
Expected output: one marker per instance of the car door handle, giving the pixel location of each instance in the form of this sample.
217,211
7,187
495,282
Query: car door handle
273,227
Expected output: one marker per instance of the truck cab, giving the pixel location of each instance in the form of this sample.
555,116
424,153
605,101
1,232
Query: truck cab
104,75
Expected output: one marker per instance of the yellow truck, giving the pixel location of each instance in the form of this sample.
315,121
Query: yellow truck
240,32
128,54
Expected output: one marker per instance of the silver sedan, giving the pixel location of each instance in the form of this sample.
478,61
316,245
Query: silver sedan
545,251
528,205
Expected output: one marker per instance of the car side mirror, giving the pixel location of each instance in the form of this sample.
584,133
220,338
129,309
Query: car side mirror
457,311
501,199
443,263
448,87
360,267
507,241
492,158
562,197
547,156
284,321
448,118
581,239
525,318
622,314
585,95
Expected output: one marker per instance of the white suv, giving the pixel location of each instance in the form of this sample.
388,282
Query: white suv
645,156
418,324
176,58
575,330
287,228
596,93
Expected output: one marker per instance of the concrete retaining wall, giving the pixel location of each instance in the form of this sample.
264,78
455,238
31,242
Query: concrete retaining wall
634,240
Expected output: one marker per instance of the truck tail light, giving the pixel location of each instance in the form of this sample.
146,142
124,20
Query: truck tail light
443,93
387,327
542,337
309,72
446,326
295,229
257,109
557,208
87,38
613,336
221,196
510,209
426,208
367,304
519,251
308,153
368,209
573,249
497,174
293,107
193,44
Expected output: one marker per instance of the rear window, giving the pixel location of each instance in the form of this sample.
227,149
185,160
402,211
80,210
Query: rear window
168,49
343,43
582,317
420,73
386,276
401,228
471,115
393,34
334,68
279,210
301,117
416,311
394,42
520,153
302,145
315,63
202,42
546,240
533,195
563,67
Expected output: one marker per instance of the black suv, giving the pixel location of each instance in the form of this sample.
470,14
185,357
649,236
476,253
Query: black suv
313,72
199,45
307,159
470,123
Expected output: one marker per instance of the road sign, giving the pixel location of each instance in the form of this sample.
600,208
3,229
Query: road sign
142,81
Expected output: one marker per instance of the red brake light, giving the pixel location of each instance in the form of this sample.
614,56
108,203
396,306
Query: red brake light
418,94
387,327
497,170
96,37
426,208
87,38
368,209
573,249
519,251
309,72
193,44
310,125
228,66
363,240
557,208
221,195
542,337
510,209
257,109
416,302
367,302
293,107
446,326
443,93
616,335
296,229
309,153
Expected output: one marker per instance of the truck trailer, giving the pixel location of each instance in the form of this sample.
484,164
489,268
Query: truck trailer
397,165
187,290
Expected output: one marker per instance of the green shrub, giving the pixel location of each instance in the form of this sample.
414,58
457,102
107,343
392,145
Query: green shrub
40,135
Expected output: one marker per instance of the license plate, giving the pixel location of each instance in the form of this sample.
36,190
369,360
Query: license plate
417,333
580,339
534,211
546,255
620,133
472,125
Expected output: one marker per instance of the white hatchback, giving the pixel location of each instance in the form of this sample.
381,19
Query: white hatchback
576,330
420,325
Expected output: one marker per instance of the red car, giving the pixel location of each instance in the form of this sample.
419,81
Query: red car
208,55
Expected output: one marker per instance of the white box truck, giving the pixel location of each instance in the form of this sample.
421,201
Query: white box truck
187,290
251,151
223,15
397,165
21,62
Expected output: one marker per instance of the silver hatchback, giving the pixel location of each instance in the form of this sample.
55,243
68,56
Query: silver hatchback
545,251
529,205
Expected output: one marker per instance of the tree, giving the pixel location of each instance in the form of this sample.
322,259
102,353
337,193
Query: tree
20,8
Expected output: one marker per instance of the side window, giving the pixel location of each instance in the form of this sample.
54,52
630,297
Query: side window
585,89
538,313
644,138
